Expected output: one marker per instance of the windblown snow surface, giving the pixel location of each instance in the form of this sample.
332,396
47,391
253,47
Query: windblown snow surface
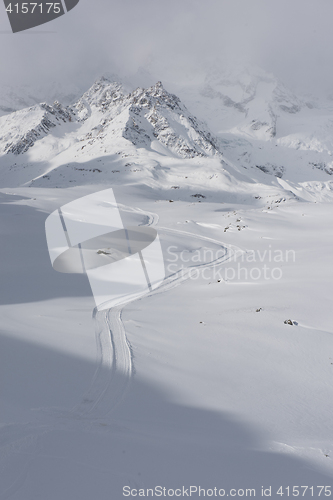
222,377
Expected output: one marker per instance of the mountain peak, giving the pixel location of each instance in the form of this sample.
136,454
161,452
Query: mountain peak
144,117
21,129
249,102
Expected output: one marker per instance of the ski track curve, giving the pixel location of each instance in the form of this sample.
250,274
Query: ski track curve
115,366
111,381
114,370
115,361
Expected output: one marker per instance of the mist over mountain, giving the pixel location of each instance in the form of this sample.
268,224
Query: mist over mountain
176,43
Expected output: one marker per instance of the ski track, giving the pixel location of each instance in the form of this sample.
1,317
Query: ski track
115,367
110,383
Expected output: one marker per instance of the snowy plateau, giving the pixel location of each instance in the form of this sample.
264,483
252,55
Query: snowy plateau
222,377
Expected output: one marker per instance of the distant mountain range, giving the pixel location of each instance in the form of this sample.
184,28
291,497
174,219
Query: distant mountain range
248,122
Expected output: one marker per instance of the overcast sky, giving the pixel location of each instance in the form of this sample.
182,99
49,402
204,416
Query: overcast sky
292,38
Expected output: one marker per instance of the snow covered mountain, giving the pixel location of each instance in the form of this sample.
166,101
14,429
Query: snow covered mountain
225,368
21,129
247,125
262,124
105,112
143,117
16,97
255,105
243,102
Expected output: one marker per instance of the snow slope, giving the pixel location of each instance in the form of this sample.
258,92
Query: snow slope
202,382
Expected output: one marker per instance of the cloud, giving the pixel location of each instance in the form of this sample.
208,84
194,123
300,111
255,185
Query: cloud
292,38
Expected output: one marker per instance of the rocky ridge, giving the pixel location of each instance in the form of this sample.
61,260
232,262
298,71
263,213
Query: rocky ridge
142,117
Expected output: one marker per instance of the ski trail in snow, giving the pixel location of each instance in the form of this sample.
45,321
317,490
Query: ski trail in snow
114,371
115,365
112,377
122,359
151,219
184,274
19,444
